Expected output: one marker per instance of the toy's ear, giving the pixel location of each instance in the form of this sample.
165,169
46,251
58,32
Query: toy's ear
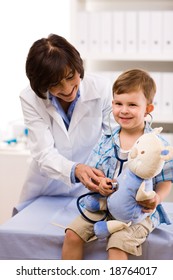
157,130
167,153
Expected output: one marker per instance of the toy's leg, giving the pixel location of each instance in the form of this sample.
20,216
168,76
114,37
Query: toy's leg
95,203
143,195
103,229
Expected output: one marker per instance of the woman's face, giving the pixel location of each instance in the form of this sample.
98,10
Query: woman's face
67,88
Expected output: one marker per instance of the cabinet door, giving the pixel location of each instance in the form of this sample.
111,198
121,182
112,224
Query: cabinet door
14,167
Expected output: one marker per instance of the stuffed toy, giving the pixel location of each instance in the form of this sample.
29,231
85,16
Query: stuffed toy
145,161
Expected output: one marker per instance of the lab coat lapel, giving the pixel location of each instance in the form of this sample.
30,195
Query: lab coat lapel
56,117
88,93
80,111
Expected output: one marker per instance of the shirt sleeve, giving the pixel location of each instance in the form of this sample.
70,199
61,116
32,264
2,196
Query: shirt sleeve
166,174
72,175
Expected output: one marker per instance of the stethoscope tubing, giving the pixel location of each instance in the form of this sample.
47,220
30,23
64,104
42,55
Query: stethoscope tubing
122,161
83,214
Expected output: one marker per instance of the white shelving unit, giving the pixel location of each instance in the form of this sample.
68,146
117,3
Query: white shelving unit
96,32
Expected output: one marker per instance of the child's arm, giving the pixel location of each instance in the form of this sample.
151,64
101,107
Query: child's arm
162,191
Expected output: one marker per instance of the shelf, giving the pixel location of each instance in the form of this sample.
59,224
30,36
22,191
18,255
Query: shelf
116,35
125,4
128,57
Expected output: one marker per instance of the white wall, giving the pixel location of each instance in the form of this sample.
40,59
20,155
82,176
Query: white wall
21,23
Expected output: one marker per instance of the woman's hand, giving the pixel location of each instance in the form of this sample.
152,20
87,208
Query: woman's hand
150,204
89,176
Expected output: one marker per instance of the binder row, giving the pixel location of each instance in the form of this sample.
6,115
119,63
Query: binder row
119,32
163,101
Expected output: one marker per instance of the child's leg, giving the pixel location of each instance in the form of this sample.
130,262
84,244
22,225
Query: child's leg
73,246
77,233
117,254
129,240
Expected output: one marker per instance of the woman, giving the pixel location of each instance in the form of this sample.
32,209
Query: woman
65,114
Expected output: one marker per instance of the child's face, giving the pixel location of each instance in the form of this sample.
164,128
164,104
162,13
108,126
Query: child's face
130,109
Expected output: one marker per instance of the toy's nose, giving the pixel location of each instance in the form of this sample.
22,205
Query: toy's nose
134,153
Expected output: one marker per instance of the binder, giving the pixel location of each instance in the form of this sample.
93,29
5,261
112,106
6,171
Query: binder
131,32
106,32
167,95
157,77
156,32
168,32
118,32
82,32
143,32
94,32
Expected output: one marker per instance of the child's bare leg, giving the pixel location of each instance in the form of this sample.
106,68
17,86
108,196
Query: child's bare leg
117,254
73,246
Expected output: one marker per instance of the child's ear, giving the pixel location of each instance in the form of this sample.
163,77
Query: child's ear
150,108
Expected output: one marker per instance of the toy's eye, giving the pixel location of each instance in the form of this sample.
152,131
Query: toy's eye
142,152
137,142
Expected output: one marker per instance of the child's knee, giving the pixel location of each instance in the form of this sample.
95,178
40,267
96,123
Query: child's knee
72,236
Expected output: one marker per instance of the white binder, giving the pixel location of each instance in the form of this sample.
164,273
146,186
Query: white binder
168,32
156,32
94,32
143,33
167,95
131,32
106,32
118,32
82,32
157,77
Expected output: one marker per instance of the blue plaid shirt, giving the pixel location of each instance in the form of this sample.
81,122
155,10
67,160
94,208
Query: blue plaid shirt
103,158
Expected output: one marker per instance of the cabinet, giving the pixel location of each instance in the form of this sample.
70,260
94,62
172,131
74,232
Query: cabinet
115,35
14,166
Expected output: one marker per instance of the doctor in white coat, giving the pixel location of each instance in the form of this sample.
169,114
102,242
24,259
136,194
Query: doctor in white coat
65,112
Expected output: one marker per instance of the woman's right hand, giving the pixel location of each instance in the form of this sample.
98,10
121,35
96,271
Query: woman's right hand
89,176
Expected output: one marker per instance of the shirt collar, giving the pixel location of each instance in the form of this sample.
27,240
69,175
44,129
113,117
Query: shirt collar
65,116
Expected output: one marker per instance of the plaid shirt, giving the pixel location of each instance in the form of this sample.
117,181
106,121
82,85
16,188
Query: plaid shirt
103,158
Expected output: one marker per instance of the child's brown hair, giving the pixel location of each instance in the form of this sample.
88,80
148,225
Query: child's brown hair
135,80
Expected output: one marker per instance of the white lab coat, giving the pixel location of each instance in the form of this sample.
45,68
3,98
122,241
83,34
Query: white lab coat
55,149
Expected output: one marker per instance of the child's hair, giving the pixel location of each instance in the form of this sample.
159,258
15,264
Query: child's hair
135,80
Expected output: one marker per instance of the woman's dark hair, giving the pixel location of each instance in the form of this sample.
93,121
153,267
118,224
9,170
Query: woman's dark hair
47,63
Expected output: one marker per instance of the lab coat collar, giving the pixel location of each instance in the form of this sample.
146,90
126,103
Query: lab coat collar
51,110
88,92
80,110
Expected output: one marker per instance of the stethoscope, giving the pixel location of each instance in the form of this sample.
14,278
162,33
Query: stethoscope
79,202
114,186
121,161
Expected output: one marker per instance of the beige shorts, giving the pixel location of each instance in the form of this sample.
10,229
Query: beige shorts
129,239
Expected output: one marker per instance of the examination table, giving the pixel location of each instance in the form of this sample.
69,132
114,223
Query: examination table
37,232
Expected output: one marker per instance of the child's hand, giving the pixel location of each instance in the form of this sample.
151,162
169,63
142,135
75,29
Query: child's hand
105,186
150,204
